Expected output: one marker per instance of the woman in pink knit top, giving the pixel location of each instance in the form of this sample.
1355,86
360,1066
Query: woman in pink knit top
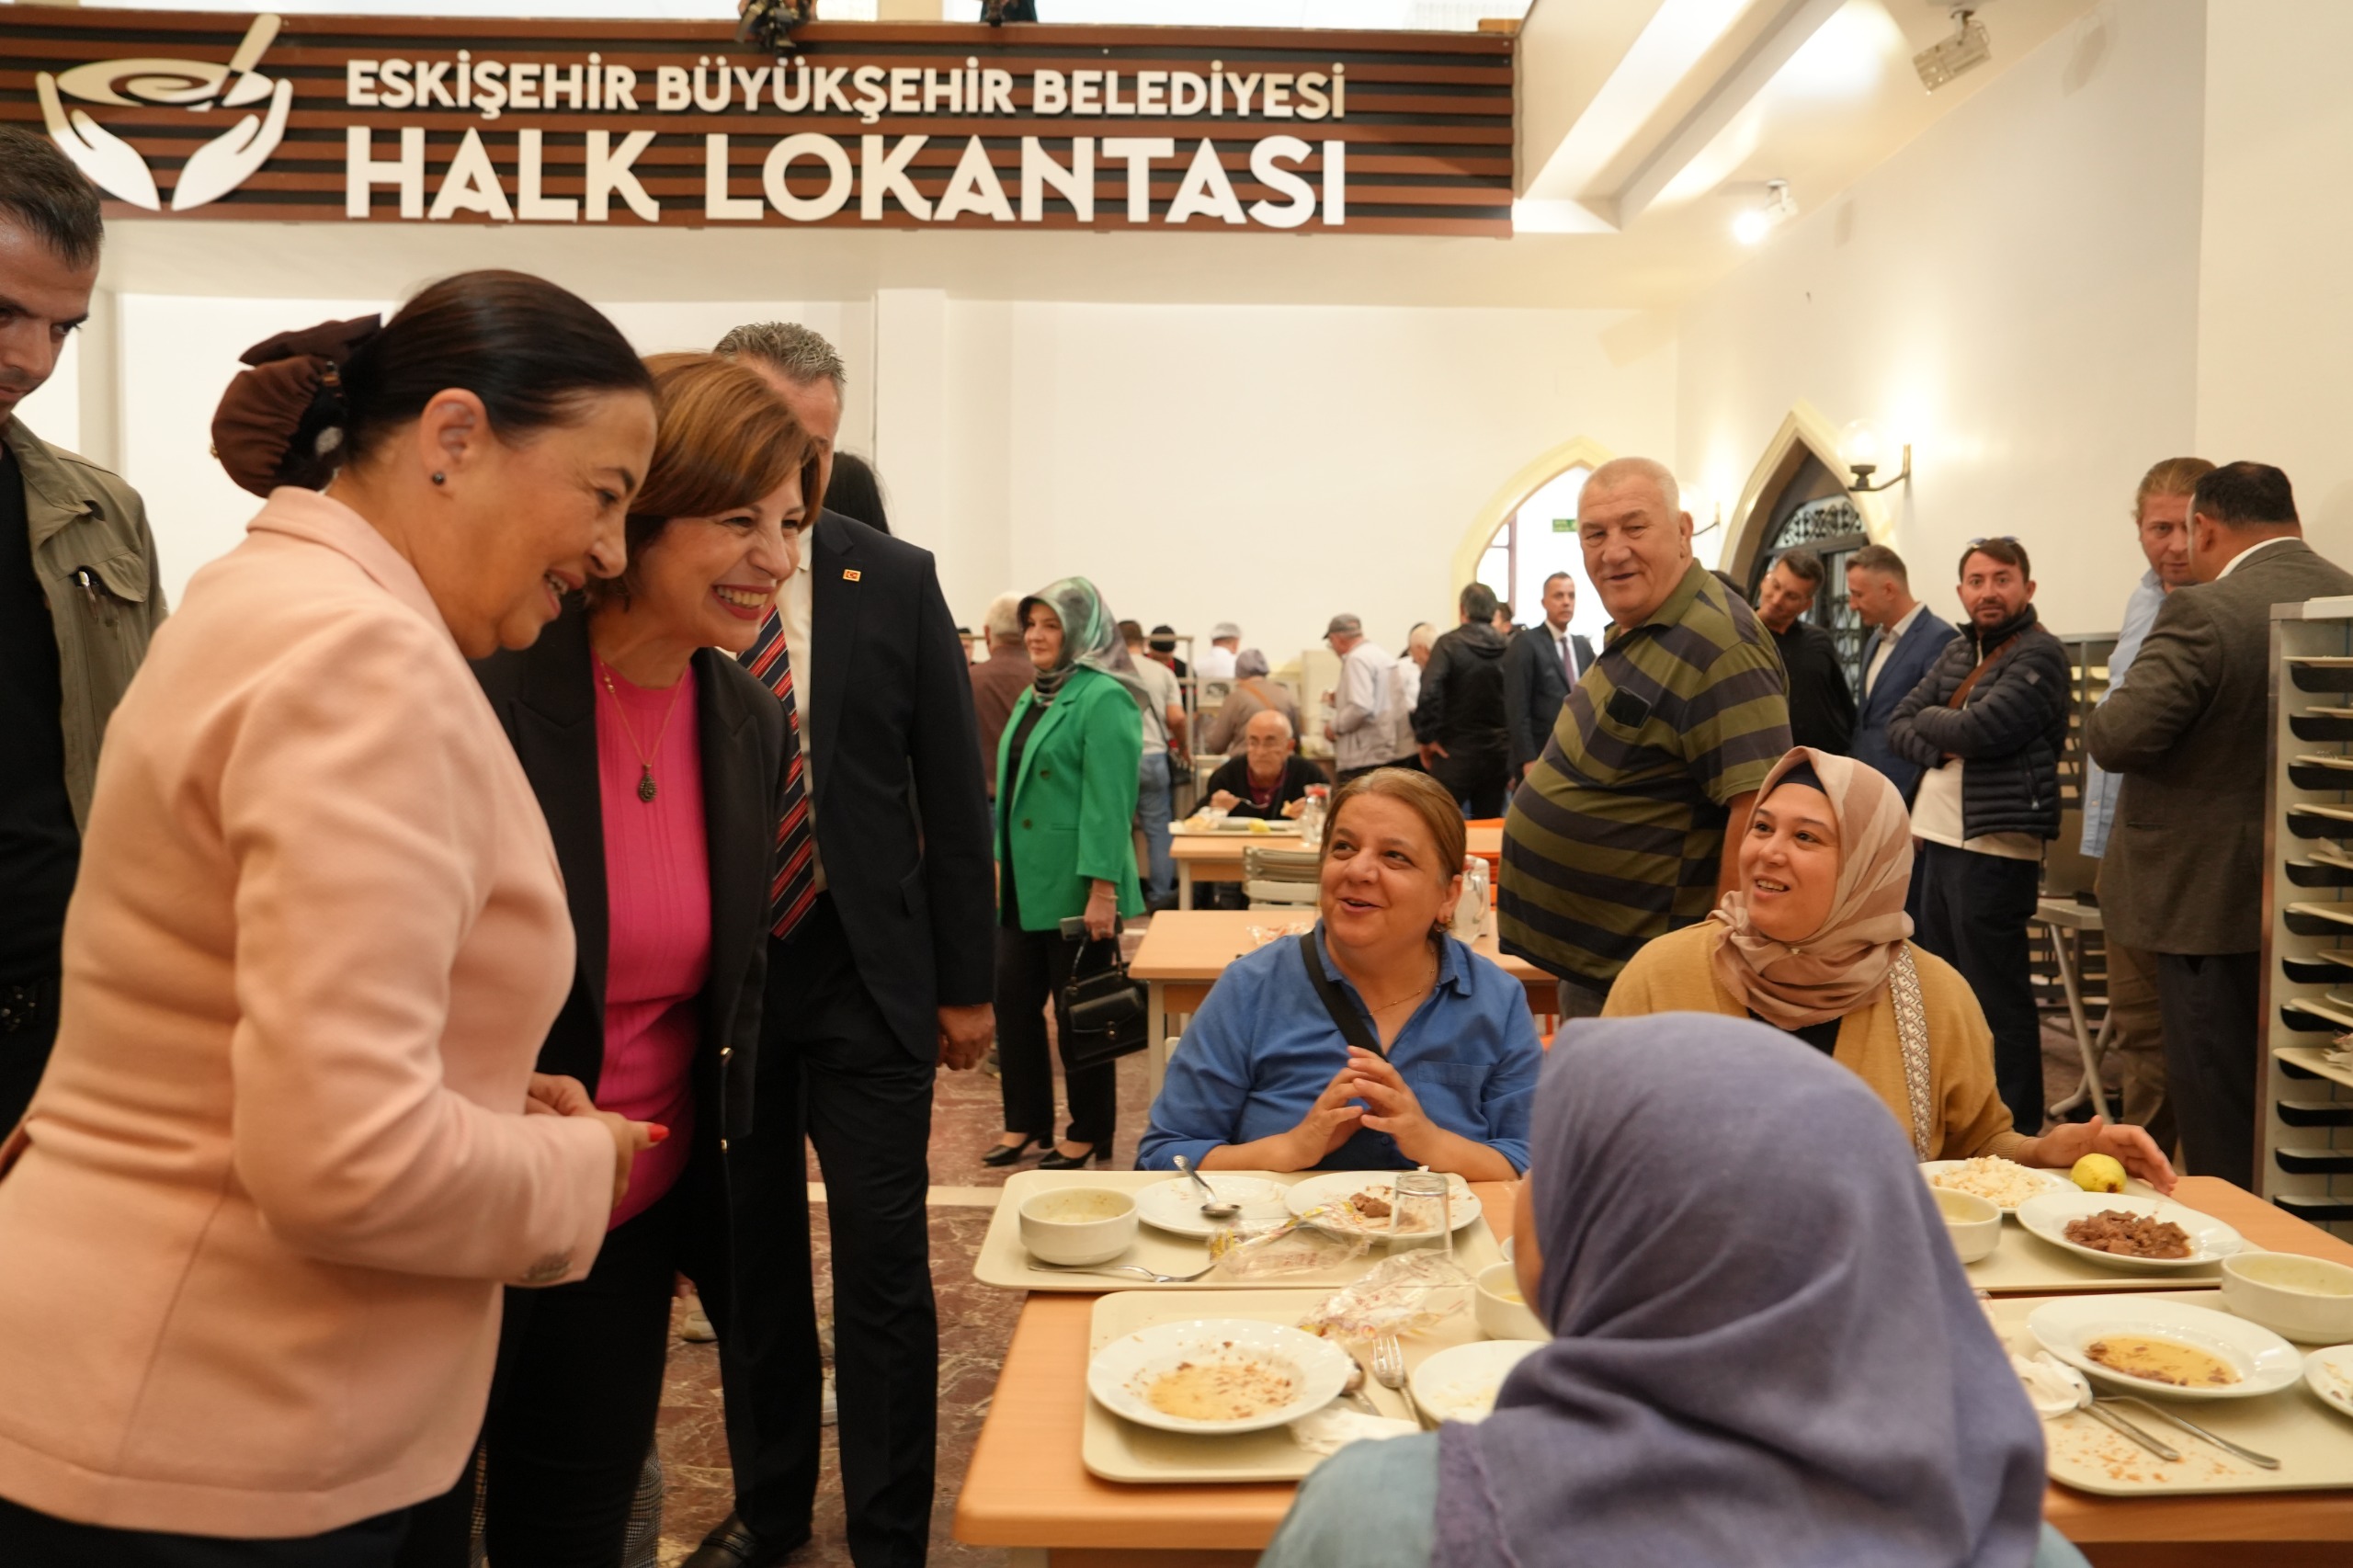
255,1220
659,758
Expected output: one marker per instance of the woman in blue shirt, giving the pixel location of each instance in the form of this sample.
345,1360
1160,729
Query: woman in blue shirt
1265,1078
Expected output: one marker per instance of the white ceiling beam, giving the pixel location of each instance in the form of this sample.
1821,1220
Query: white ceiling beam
1799,20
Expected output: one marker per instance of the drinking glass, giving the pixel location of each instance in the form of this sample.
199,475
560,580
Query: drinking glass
1420,1215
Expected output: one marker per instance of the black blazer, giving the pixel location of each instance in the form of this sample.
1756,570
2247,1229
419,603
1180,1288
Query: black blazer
546,697
1534,687
902,812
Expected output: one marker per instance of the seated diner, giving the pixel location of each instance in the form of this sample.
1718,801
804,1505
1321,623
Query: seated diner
1374,1042
1270,779
1759,1338
1812,940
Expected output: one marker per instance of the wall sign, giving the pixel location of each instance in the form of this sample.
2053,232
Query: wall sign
408,119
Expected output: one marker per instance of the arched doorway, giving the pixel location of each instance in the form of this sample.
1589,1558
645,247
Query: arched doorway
1526,532
1795,498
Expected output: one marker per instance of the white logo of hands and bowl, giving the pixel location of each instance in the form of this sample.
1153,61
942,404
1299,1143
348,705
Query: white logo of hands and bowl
214,169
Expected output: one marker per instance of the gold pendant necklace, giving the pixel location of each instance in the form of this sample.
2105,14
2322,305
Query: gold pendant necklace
645,789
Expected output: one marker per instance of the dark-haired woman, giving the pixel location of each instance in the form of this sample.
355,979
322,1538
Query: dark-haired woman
656,756
255,1220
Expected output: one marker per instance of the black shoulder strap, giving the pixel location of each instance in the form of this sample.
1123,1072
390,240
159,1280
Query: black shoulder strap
1350,1022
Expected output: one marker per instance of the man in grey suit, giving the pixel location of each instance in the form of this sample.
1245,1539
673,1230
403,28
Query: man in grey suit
2183,877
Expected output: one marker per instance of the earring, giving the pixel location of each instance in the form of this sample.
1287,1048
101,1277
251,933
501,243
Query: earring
440,478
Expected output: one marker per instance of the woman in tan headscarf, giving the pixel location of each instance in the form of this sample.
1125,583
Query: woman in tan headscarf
1811,939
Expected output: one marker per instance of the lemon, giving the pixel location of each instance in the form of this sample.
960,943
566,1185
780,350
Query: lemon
2099,1173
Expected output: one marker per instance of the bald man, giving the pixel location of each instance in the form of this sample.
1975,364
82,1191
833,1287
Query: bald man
1617,835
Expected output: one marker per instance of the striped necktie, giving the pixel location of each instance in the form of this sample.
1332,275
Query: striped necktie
792,886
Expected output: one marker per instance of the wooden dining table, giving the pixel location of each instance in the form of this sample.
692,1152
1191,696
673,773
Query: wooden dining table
1184,950
1217,857
1026,1490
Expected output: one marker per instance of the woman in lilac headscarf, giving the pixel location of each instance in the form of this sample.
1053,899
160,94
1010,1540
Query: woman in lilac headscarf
1767,1350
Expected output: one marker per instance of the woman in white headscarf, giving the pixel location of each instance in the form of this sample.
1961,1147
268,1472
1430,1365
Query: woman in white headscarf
1812,940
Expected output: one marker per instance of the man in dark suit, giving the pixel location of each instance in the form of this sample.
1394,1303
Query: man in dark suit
1822,706
2185,872
1905,642
1540,666
883,972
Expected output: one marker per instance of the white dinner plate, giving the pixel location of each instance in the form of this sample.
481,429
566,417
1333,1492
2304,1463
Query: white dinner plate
2265,1362
1123,1372
1175,1205
2053,1181
2328,1372
1333,1186
1460,1383
2211,1241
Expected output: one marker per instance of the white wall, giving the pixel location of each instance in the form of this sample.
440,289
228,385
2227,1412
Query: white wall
2275,340
1266,465
2018,293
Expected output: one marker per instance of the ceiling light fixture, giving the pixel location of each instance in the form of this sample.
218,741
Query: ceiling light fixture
1967,50
1751,226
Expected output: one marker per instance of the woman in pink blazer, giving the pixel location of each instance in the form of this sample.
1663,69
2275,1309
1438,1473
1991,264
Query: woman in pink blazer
254,1226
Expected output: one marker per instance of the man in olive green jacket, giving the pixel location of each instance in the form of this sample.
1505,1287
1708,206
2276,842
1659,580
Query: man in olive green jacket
79,598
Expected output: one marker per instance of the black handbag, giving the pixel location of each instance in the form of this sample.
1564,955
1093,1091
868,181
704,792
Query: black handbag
1103,1010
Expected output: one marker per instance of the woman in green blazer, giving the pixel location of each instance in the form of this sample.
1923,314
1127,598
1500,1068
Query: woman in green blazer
1066,773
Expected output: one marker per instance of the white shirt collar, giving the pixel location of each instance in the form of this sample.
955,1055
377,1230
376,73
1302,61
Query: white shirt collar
1895,633
2233,564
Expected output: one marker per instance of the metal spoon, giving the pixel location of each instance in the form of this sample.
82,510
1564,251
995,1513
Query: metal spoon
2086,1402
2161,1413
1213,1206
1353,1390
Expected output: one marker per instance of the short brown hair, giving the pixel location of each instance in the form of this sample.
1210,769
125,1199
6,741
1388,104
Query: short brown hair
723,439
1879,558
2171,476
1803,565
1424,794
2008,551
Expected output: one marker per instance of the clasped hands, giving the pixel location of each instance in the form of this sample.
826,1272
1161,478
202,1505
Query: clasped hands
552,1094
1388,1106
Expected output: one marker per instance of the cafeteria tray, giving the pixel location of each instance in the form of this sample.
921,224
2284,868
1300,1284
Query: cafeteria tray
1121,1450
2027,1265
1004,1262
2314,1445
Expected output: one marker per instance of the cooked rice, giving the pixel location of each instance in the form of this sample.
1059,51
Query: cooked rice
2003,1183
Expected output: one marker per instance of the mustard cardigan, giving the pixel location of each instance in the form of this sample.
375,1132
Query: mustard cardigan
1675,973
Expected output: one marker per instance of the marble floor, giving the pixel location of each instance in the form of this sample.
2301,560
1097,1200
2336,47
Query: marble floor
975,1325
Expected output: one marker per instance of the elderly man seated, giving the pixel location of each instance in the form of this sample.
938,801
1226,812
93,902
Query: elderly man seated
1270,779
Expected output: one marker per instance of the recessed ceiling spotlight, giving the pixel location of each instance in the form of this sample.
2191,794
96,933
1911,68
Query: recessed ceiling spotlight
1967,50
1752,225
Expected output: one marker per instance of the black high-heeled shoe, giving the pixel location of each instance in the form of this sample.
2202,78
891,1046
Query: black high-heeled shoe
1055,1160
1006,1153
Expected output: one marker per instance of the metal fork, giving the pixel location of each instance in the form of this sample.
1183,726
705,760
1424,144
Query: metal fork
1389,1371
1112,1271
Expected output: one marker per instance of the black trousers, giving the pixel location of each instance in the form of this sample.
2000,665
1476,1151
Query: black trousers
38,1540
573,1407
1974,910
1032,967
1478,780
831,1070
2212,1005
28,1030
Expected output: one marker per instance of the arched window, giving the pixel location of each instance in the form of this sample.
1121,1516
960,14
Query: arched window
1535,540
1815,510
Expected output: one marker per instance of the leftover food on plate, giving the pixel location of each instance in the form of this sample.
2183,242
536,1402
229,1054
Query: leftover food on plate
2003,1183
1221,1391
2127,1234
2159,1361
1370,1204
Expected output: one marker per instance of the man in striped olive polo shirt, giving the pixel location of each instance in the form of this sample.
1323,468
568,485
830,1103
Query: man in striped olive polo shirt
1618,834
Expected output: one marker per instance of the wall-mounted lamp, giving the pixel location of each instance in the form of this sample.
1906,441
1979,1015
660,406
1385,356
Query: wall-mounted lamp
1863,452
1778,207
